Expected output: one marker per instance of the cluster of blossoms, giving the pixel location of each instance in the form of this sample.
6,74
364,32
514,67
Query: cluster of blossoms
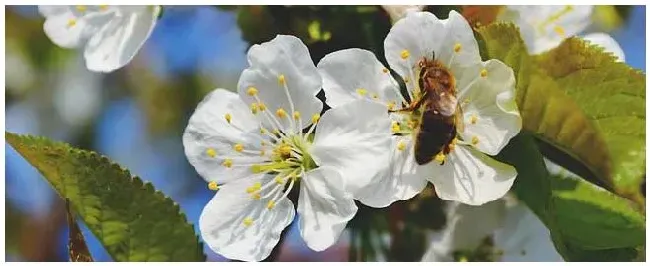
271,139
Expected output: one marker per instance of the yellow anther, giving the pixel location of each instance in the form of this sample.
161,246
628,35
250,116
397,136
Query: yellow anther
362,92
406,80
103,7
254,108
375,96
276,131
474,140
463,259
263,131
72,22
405,54
262,152
270,205
257,185
248,221
238,147
211,152
315,118
81,8
284,150
262,106
252,91
440,157
385,70
457,47
390,105
279,180
282,80
228,117
256,196
401,145
483,72
394,127
213,186
473,119
296,115
452,145
227,163
559,30
281,113
263,143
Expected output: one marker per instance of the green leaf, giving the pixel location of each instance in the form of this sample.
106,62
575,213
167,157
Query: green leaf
132,220
593,218
585,221
570,137
612,95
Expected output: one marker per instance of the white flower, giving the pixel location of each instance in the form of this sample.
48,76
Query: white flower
484,91
109,35
502,230
396,12
545,27
252,149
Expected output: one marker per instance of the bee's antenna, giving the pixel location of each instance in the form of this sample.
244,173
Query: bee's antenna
433,53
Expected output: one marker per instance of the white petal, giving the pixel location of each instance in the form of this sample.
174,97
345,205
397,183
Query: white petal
420,34
115,44
397,12
466,228
324,207
63,27
287,56
208,129
544,27
607,42
222,222
352,74
459,35
491,106
355,139
471,177
523,237
403,180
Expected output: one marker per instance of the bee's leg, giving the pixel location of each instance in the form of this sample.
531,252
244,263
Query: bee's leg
412,107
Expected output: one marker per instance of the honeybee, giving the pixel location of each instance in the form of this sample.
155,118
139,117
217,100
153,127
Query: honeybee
441,117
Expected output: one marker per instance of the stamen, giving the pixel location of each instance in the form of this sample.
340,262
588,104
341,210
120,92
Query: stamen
484,73
401,145
315,118
474,140
270,205
457,47
405,54
362,92
263,131
227,163
559,30
211,152
72,22
228,117
81,8
238,147
252,91
282,80
256,196
296,115
262,106
103,7
213,186
391,105
248,221
254,108
281,113
394,127
473,119
385,70
375,96
440,157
